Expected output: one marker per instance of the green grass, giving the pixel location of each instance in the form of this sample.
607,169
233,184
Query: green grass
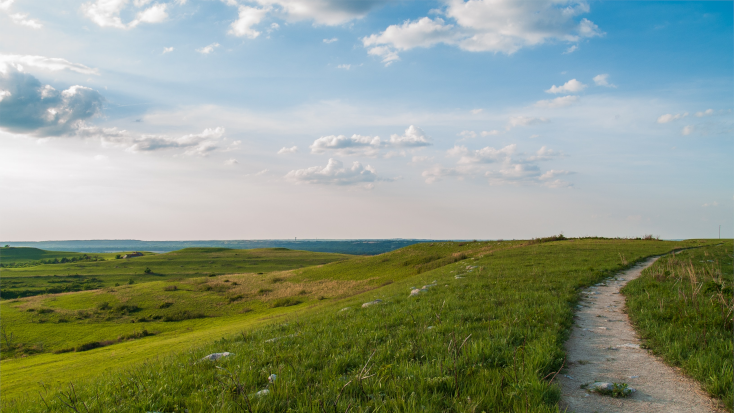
189,262
28,255
683,307
487,336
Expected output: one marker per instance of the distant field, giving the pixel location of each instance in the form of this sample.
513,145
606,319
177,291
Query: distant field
186,263
510,302
23,255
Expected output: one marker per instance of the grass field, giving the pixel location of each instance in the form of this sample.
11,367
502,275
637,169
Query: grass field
683,307
485,335
186,263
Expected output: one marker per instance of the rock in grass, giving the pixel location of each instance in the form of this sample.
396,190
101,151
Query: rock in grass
263,392
216,356
371,303
417,291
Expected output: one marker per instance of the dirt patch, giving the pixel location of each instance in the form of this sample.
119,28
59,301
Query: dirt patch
604,347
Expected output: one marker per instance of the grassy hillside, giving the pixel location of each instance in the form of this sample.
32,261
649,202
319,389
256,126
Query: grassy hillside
486,334
27,255
684,309
186,263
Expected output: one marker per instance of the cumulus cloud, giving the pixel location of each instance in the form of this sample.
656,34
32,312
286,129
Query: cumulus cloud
5,4
668,117
334,173
515,121
412,138
687,130
476,111
571,49
29,107
106,13
284,150
499,166
332,40
572,86
208,49
603,80
45,63
167,50
707,112
484,155
468,134
23,20
248,17
344,66
231,162
490,133
503,26
369,145
327,12
560,102
343,145
199,144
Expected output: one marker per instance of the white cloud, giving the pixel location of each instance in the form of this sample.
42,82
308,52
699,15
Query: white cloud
560,102
106,13
274,26
29,107
334,173
484,155
670,117
200,144
208,49
490,133
344,66
571,49
437,172
332,40
248,17
46,63
707,112
543,154
327,12
167,50
412,138
22,19
388,55
476,111
602,80
4,93
284,150
712,204
572,86
534,136
369,145
231,161
5,4
488,25
515,121
554,173
468,134
687,130
343,145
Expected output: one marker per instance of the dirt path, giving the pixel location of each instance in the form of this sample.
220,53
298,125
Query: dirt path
604,348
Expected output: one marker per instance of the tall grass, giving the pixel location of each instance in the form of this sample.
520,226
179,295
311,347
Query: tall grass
684,309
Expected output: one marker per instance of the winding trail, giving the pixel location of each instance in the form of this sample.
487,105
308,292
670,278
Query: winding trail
604,347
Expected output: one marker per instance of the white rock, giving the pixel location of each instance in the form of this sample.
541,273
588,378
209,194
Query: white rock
215,356
371,303
262,393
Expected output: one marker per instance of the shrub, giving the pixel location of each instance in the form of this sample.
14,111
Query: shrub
285,302
170,288
183,315
165,304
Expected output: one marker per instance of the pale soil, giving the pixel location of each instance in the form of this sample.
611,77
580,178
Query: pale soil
604,347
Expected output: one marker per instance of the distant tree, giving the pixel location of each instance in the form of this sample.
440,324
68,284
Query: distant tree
7,246
118,256
131,281
147,270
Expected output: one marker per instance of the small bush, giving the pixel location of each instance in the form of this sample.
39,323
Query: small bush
103,306
126,308
44,310
165,305
264,291
285,302
277,280
170,288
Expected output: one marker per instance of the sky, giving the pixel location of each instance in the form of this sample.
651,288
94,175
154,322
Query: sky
274,119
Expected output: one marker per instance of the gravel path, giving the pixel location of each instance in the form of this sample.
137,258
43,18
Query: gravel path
604,348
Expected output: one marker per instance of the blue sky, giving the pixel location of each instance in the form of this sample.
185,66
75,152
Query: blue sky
234,119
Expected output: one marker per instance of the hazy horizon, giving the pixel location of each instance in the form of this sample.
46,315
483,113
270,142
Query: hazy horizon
374,119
